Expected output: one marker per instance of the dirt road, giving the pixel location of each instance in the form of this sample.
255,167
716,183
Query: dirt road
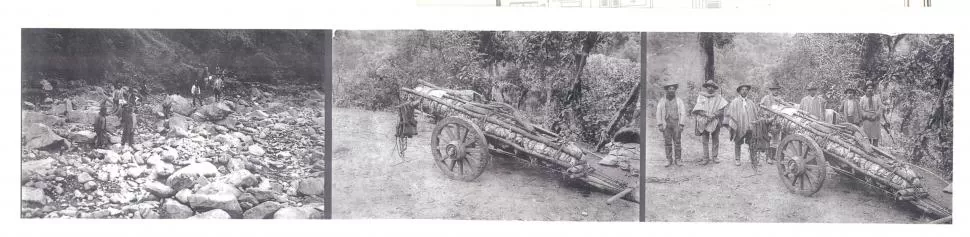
728,193
370,181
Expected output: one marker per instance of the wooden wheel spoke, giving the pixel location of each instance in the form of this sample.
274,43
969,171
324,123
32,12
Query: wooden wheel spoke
451,166
808,177
465,136
461,166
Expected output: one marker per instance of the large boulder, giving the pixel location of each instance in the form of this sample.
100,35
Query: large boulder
219,188
241,179
173,209
33,196
212,112
36,169
309,211
213,214
40,136
31,117
179,104
82,116
191,175
177,126
311,186
223,201
262,211
264,195
85,136
158,189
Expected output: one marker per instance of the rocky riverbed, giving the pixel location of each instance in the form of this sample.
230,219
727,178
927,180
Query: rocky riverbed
254,155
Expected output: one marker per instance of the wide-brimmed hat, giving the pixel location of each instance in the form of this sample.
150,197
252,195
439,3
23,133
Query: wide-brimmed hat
710,83
869,84
853,90
742,85
669,84
773,84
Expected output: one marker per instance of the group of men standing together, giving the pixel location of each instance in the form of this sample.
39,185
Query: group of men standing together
125,100
748,124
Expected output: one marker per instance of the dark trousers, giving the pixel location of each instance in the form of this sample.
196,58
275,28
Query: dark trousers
711,143
196,100
744,139
672,141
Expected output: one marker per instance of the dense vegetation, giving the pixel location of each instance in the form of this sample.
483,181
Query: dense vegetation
914,73
168,59
571,82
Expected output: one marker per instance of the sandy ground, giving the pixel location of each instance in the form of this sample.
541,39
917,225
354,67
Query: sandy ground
728,193
370,181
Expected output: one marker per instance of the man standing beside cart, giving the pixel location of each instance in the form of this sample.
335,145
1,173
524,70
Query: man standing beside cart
708,111
671,116
850,107
773,98
740,117
871,108
813,103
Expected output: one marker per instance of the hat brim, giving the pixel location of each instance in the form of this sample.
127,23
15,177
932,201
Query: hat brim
742,86
711,85
675,86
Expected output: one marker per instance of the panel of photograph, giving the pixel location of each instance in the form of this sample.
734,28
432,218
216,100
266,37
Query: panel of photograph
784,127
486,125
173,124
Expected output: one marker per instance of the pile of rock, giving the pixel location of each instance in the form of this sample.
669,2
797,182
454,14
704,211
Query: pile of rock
220,164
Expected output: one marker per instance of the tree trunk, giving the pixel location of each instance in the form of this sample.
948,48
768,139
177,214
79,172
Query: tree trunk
707,46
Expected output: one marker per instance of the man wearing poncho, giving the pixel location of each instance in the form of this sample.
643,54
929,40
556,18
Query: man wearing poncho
708,111
740,117
871,108
671,117
773,98
813,103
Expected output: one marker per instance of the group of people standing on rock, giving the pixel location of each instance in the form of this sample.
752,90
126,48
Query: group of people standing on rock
124,101
748,123
207,81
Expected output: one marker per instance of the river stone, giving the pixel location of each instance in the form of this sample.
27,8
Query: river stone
262,211
213,214
224,201
192,175
173,209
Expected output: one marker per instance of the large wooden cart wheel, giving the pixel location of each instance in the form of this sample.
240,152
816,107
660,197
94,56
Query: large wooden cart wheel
801,164
460,149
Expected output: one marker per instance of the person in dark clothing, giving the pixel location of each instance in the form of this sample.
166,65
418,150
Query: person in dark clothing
101,139
128,124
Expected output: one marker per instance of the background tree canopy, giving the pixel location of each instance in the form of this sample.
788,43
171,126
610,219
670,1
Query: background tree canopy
914,73
169,58
566,81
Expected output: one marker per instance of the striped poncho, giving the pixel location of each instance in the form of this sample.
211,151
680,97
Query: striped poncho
741,114
708,110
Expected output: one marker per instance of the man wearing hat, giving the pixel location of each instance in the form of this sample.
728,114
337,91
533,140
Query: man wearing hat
740,117
813,103
671,116
849,107
871,109
708,111
774,96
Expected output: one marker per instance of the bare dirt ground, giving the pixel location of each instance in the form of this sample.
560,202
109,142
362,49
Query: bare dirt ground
370,181
728,193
